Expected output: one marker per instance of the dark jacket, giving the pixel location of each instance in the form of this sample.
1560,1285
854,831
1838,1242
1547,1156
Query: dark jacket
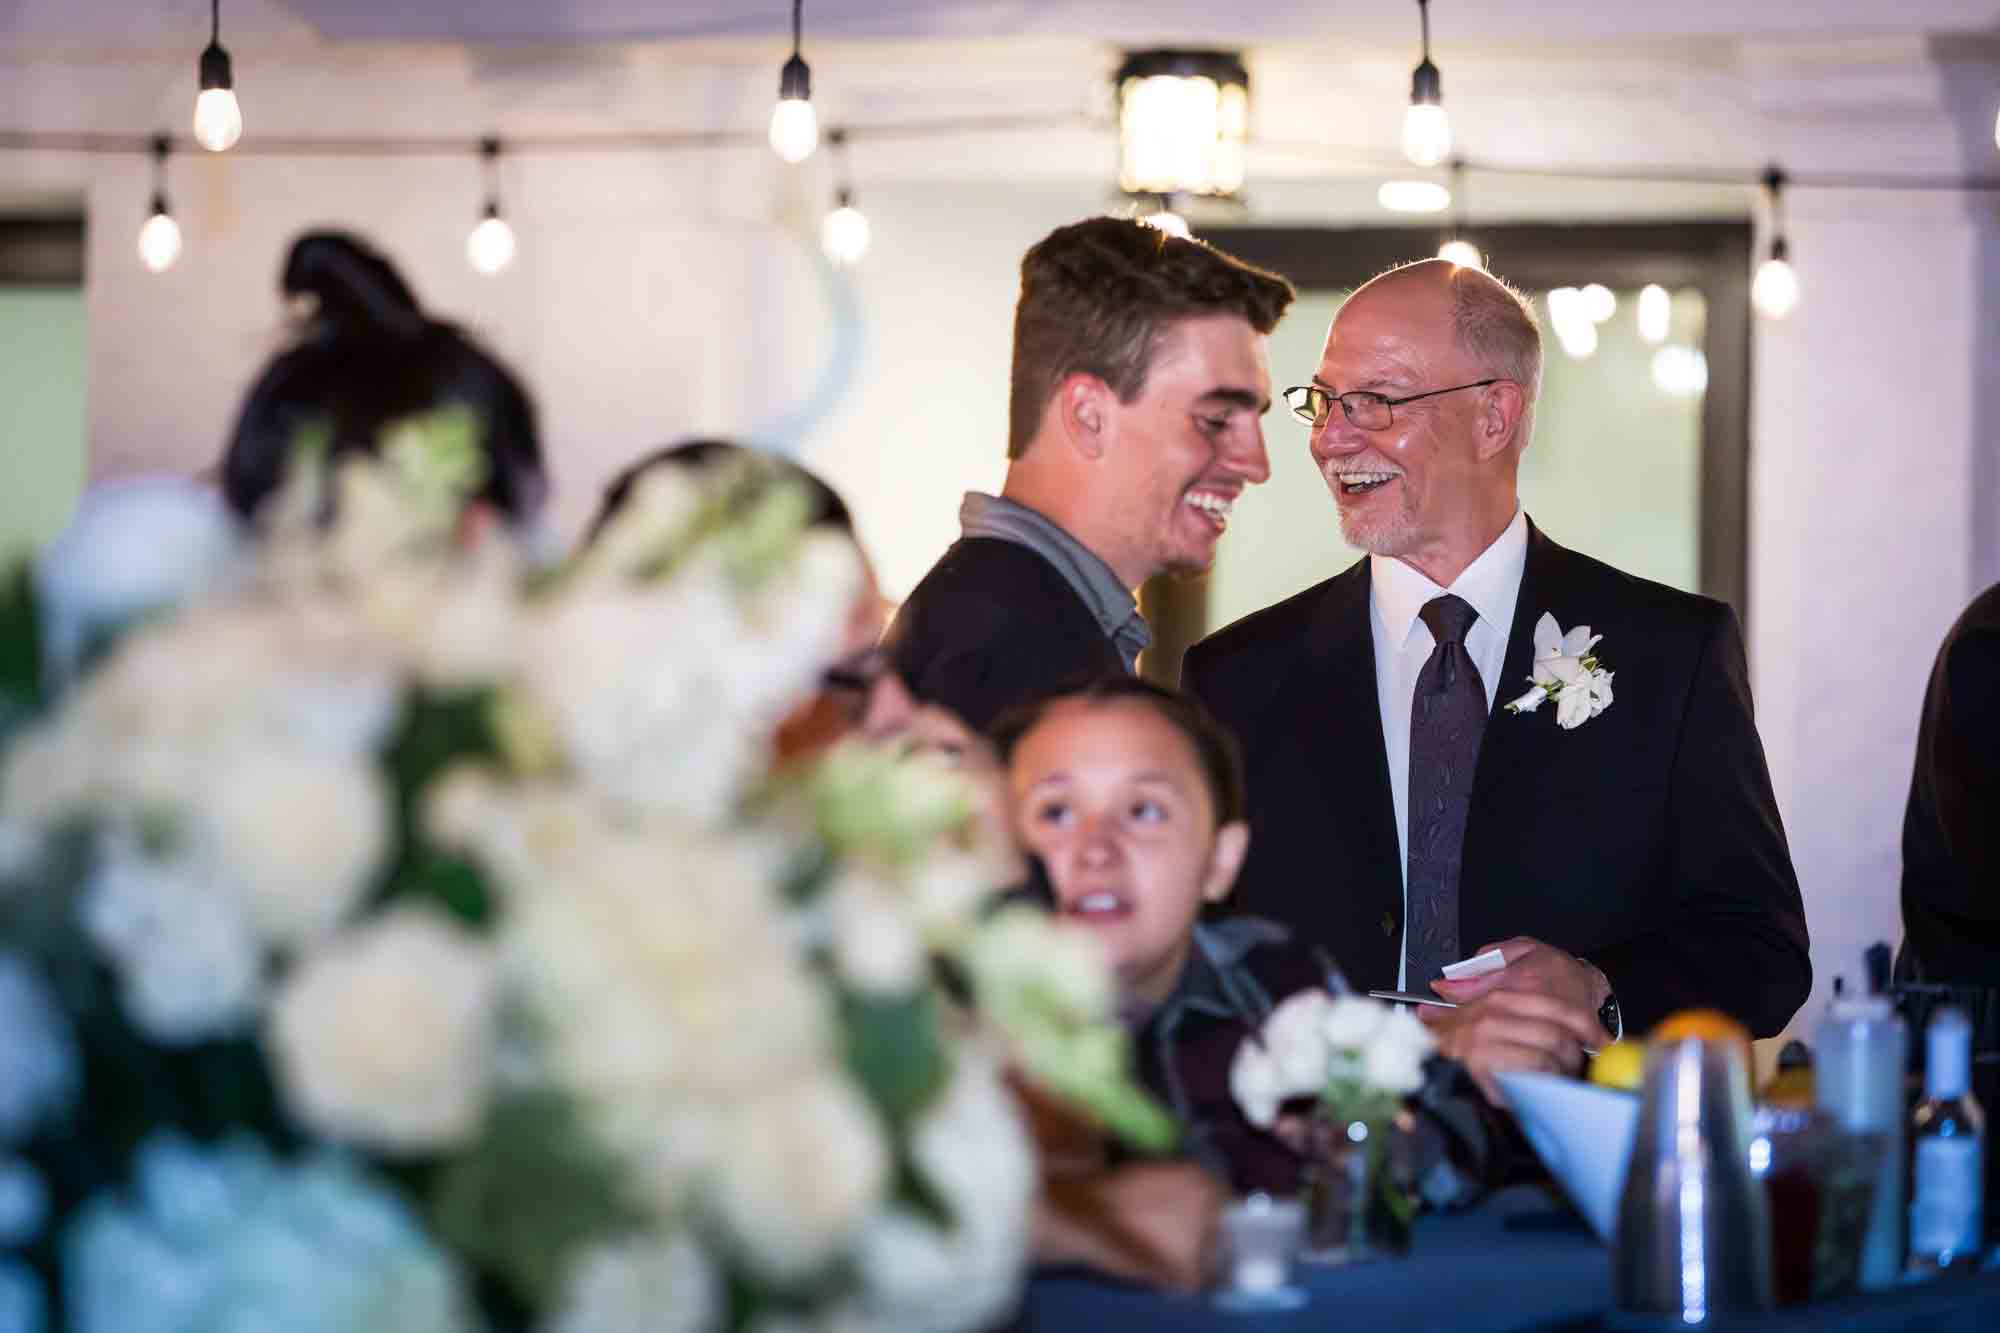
1647,840
1240,969
994,625
1951,829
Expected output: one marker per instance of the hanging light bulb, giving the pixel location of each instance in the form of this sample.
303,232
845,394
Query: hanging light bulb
1426,128
490,246
844,233
1656,312
794,125
1681,372
1170,222
1183,120
1599,302
160,236
1775,289
1413,197
218,120
1570,318
1462,252
1456,249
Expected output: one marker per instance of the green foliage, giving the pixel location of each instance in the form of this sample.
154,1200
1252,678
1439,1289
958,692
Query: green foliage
894,1050
437,731
532,1193
20,650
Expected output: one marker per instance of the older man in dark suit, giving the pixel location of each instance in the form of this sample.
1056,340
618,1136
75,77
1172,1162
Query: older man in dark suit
1416,799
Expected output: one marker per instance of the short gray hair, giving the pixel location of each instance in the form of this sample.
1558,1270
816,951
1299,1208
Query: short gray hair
1495,325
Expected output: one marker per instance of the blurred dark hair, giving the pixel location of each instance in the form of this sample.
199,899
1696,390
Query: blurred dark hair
1097,296
827,508
1215,749
368,356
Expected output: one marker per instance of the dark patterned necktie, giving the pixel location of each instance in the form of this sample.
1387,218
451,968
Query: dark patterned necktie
1447,718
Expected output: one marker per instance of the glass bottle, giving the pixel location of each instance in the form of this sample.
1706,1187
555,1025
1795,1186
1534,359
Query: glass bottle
1947,1167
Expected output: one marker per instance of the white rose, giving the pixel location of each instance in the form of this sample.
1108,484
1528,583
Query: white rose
1352,1020
875,944
1394,1058
303,835
805,1169
643,1284
1254,1083
383,1036
1294,1037
1573,707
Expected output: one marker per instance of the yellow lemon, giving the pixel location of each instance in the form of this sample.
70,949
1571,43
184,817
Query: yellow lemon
1622,1064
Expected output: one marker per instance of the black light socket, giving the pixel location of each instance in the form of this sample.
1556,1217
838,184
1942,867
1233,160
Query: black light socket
215,71
795,81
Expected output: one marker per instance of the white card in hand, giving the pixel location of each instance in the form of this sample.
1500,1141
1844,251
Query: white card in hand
1465,969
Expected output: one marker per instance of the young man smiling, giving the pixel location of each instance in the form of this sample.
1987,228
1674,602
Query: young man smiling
1139,384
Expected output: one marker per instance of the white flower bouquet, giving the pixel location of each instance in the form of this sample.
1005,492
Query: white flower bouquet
1359,1060
390,937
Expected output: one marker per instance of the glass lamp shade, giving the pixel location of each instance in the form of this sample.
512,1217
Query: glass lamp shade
1183,119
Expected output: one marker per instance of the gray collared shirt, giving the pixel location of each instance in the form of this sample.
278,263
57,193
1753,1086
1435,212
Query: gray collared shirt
1109,600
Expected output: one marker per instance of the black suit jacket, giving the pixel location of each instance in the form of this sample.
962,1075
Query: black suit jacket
994,625
1647,840
1951,830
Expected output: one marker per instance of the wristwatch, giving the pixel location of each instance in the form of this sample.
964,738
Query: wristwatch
1610,1019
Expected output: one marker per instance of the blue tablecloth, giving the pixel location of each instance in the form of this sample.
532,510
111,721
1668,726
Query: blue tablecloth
1520,1261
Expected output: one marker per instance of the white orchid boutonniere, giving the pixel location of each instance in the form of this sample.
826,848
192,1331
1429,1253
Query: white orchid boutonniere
1567,671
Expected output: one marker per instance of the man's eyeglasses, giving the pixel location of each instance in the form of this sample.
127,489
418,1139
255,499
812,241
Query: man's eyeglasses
1367,411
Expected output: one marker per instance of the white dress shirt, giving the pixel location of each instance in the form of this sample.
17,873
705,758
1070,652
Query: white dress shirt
1403,643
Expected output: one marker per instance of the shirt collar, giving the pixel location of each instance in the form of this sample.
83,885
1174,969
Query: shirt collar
1110,601
1489,583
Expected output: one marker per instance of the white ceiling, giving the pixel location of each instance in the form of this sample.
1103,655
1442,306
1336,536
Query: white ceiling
123,24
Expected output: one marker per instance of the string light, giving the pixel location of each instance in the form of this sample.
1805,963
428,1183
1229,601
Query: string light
1600,303
794,124
1426,128
1569,315
1183,120
1775,289
490,247
1656,312
1456,249
160,237
1680,372
844,233
218,120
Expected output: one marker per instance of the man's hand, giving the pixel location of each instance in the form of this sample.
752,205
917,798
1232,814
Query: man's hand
1535,968
1150,1222
1512,1030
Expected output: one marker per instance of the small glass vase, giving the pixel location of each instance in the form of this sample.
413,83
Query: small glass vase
1355,1209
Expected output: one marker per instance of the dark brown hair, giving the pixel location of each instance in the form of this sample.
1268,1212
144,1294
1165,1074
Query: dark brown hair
1097,296
1215,749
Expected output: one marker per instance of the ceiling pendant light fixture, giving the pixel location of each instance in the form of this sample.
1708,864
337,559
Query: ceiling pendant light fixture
1775,289
1183,120
490,247
1426,128
1456,249
844,234
218,120
160,237
794,123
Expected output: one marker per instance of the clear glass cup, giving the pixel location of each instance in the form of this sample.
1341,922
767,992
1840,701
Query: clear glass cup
1260,1246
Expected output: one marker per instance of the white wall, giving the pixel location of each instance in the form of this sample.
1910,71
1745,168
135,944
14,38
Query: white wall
661,295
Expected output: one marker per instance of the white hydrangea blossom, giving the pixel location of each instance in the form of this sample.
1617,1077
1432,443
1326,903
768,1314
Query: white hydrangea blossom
189,967
642,1284
383,1036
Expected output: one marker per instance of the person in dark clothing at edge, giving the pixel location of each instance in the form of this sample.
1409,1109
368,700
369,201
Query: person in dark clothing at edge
1139,385
1133,798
